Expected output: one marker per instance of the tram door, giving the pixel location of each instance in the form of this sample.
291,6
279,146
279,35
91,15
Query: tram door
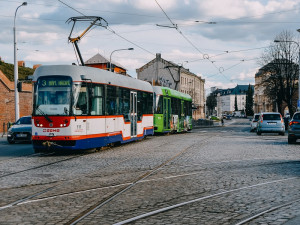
167,112
133,113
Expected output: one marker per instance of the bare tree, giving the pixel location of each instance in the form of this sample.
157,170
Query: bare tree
281,70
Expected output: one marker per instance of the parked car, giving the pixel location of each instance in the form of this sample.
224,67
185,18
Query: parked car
270,122
20,130
294,128
254,122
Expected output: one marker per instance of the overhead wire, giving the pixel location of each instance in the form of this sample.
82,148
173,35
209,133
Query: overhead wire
205,56
109,29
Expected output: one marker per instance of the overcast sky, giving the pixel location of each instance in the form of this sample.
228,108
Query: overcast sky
223,53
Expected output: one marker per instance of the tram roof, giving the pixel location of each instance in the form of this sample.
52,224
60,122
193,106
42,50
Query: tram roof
96,75
170,92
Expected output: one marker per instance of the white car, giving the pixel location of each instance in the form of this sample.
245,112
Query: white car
253,123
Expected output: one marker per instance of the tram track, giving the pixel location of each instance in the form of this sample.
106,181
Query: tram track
265,211
218,194
41,166
115,194
26,200
126,184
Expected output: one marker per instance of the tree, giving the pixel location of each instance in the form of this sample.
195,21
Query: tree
211,103
235,104
281,71
249,101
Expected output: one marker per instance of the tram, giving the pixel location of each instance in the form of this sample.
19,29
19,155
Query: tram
78,107
172,110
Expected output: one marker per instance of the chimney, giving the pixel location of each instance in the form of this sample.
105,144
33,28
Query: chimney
21,63
158,56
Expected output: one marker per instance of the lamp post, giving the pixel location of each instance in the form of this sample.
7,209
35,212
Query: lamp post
110,69
298,102
17,113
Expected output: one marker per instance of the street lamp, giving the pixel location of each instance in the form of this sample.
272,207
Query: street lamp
110,69
277,41
16,66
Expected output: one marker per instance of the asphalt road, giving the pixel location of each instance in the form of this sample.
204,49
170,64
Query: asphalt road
14,150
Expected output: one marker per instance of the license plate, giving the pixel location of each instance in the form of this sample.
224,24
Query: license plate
21,135
272,123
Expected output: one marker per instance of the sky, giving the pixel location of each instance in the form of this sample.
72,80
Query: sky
219,40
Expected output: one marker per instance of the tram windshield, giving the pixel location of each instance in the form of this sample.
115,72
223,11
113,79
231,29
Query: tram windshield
52,96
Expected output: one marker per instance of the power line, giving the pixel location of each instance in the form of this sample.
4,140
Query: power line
205,56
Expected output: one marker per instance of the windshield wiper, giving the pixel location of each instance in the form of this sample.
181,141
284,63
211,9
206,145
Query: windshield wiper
43,114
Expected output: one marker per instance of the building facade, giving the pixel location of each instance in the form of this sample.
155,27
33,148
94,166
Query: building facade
226,99
161,72
7,99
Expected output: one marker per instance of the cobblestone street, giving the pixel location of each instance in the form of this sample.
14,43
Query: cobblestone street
217,175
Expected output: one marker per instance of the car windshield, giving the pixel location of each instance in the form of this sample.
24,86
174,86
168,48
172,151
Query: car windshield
271,117
24,120
296,116
256,117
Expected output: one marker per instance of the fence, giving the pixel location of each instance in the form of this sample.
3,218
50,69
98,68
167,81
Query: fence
203,123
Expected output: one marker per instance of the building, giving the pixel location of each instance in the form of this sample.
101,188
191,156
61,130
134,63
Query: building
226,99
99,61
7,100
262,102
168,74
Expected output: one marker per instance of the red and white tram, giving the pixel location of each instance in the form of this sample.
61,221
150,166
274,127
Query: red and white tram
78,107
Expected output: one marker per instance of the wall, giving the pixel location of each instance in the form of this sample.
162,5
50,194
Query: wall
7,101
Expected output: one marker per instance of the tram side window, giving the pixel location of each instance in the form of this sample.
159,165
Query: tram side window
149,103
111,100
140,104
124,103
97,106
175,104
159,104
80,96
145,104
188,108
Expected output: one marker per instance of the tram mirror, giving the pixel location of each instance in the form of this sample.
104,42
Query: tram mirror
83,77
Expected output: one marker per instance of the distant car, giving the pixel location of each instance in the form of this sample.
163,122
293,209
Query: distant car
294,128
270,122
20,130
254,122
228,117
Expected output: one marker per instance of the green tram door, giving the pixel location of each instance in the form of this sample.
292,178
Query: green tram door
167,113
133,113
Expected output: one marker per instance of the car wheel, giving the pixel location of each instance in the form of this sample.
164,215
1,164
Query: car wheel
258,133
282,133
10,140
291,140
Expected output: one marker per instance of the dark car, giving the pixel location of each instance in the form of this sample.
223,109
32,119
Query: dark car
294,128
20,130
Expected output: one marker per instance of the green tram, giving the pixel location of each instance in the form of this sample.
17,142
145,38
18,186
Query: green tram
172,110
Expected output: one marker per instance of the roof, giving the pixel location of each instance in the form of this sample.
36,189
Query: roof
99,59
238,90
93,74
170,64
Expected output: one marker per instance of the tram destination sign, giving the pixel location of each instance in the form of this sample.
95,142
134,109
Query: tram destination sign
55,82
